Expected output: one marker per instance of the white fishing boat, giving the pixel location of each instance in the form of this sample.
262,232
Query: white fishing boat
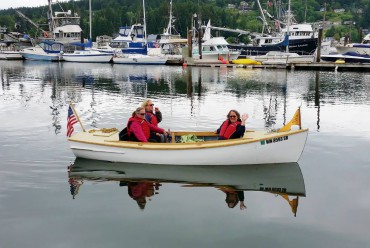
64,26
256,147
284,178
45,50
302,38
87,56
214,48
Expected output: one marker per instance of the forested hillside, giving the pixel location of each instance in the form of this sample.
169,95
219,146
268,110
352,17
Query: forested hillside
109,15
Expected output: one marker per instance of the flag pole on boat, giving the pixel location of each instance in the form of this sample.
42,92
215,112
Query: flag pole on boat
78,118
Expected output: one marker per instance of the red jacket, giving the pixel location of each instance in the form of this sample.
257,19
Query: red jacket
140,128
153,118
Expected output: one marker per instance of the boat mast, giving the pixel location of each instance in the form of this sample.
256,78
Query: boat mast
288,27
51,19
169,26
90,22
265,24
145,42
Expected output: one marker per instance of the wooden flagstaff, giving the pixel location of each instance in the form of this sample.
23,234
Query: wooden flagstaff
300,123
78,118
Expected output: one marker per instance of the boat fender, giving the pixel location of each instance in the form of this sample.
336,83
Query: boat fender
46,35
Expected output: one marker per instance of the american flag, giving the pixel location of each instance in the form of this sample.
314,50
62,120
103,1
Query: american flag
71,120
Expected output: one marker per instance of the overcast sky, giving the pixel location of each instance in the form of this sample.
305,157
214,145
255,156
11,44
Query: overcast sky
5,4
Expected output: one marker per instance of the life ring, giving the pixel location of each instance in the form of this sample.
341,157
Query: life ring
46,35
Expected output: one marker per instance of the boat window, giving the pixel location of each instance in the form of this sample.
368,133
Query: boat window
126,32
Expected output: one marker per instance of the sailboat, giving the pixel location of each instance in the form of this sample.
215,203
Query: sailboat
171,44
142,59
88,55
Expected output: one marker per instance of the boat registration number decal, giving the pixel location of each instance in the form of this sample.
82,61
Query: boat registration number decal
272,189
274,140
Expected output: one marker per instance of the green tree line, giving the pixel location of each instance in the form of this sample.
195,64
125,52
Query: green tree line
109,15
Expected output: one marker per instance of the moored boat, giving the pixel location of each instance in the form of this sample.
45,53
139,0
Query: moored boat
139,59
45,50
283,58
88,56
356,49
349,57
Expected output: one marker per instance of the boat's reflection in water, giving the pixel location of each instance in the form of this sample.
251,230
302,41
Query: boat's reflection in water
145,180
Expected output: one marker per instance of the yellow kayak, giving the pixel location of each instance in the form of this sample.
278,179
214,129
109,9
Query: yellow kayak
245,62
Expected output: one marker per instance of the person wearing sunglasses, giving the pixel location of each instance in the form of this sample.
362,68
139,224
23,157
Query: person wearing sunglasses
153,116
233,127
139,129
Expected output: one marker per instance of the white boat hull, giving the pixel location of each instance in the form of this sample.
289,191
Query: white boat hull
216,56
255,148
36,53
88,57
283,58
139,59
10,55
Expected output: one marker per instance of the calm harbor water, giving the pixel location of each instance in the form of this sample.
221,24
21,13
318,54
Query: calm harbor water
321,201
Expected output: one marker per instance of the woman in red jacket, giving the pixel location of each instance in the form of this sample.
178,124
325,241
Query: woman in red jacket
138,129
233,127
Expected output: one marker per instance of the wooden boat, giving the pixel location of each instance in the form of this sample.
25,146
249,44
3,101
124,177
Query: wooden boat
284,178
256,147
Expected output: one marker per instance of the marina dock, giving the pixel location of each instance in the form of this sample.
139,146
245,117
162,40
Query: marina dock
319,66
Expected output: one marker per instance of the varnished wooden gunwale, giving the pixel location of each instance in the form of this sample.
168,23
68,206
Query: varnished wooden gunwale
186,146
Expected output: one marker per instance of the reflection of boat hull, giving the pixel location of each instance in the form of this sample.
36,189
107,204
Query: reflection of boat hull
280,178
257,147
